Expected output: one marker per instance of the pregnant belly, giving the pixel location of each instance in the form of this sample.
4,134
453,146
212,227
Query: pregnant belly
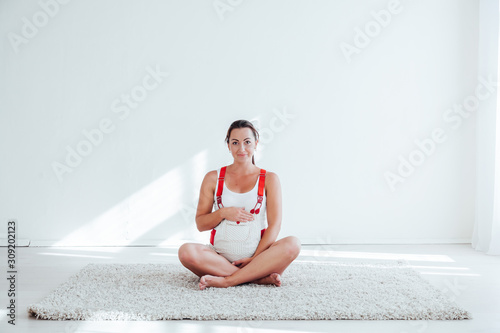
238,232
230,236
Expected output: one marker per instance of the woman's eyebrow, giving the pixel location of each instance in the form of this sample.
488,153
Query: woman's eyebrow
237,139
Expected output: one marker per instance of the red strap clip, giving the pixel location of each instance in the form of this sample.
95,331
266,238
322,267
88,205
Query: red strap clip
219,202
256,209
260,193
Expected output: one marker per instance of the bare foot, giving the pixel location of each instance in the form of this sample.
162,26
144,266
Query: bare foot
212,281
273,278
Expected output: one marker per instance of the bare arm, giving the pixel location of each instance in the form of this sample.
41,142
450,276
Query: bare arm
205,218
273,203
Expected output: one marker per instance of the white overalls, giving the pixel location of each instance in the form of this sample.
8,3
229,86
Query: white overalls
232,239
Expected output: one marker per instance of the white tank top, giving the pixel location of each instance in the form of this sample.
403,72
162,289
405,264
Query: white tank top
247,200
240,239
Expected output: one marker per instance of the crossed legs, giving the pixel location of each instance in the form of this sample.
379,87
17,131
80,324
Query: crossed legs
216,271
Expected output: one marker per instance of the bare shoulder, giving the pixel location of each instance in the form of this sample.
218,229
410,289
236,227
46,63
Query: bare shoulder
272,179
210,179
211,174
272,175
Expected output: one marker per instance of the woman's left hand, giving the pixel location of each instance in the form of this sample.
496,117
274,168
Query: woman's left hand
242,262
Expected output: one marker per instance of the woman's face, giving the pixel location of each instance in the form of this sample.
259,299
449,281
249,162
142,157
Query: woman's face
242,144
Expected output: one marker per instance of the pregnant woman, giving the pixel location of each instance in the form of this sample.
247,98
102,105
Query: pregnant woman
241,205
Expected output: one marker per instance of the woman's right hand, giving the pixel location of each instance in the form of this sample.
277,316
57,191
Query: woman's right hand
237,214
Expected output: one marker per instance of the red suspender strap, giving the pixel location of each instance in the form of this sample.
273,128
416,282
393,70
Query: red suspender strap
221,181
260,193
220,187
262,182
219,198
212,236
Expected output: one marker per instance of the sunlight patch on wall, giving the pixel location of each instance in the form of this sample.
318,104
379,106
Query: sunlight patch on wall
154,204
132,217
144,210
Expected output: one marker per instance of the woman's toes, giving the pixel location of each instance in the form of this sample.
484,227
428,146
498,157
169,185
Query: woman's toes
203,283
212,281
277,279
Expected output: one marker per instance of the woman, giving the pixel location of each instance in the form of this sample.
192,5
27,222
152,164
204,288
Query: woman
243,248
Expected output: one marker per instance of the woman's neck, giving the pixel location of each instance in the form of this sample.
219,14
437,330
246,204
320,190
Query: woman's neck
242,168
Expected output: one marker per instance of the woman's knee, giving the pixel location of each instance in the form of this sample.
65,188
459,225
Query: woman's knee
186,253
293,246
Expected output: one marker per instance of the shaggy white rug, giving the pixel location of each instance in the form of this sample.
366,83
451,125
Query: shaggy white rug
309,291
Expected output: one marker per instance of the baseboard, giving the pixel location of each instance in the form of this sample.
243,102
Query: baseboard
304,241
19,242
142,243
381,241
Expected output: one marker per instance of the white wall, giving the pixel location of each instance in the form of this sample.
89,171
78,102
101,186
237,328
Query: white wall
350,118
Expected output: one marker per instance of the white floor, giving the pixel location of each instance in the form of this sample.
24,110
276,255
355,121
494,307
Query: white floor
471,278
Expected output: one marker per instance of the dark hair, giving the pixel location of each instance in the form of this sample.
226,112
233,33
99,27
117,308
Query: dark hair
242,124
